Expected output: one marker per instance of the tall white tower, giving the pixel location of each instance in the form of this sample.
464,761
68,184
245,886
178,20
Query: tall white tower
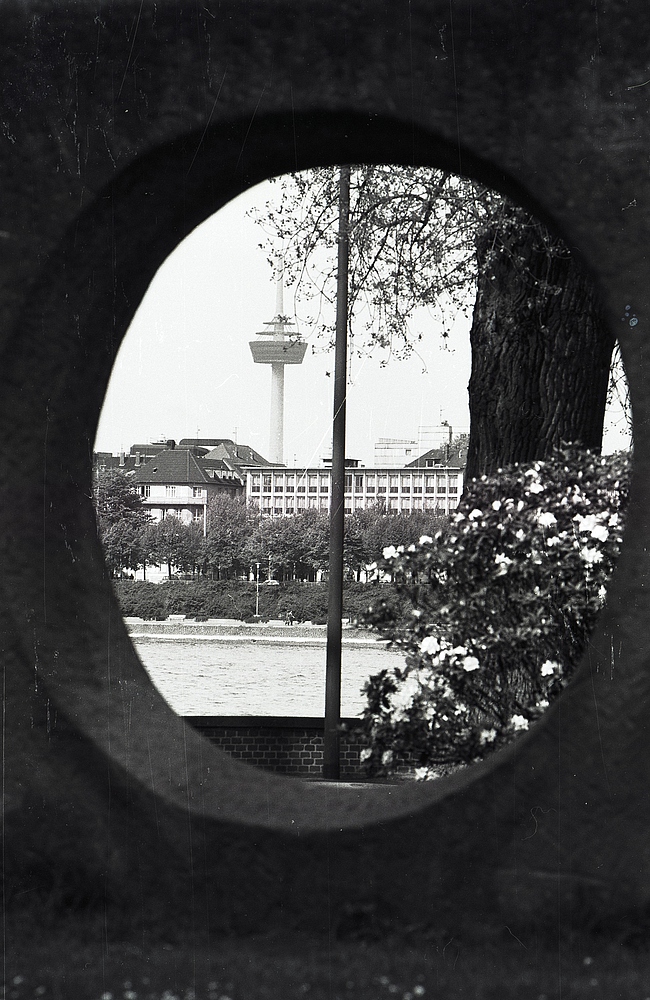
278,346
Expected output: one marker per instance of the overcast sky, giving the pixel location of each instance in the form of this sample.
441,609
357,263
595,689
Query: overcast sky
185,368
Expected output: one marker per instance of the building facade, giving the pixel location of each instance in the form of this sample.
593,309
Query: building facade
283,492
178,483
393,453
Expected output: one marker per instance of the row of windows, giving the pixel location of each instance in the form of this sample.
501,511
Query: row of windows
170,491
368,484
196,513
394,506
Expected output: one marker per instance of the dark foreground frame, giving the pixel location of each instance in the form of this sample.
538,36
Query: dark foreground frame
125,125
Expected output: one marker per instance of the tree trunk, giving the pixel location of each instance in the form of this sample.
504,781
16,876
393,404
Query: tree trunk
541,350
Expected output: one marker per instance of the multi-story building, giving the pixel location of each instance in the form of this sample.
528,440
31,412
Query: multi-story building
177,482
180,481
394,452
280,492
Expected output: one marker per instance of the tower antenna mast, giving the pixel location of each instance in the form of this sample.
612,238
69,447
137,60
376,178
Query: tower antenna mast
279,345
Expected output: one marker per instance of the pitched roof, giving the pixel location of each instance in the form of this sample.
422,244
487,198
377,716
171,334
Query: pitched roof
203,442
455,457
174,465
238,454
226,448
179,466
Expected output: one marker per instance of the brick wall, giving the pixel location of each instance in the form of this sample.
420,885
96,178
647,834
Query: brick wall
285,745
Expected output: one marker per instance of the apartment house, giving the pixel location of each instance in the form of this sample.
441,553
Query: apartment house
177,482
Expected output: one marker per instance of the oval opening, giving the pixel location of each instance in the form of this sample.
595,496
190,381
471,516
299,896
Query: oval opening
228,599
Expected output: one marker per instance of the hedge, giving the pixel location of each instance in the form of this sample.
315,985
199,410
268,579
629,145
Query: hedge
236,599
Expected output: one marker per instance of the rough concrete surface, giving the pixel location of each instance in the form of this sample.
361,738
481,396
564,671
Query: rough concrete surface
122,126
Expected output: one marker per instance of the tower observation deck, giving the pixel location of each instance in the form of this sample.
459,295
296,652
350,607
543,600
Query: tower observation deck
277,346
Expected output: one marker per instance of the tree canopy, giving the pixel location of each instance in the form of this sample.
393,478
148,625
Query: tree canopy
116,499
411,245
237,538
422,237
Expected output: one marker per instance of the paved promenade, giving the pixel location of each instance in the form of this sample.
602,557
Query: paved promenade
177,626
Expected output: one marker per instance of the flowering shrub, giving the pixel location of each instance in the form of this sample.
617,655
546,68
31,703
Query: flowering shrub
503,600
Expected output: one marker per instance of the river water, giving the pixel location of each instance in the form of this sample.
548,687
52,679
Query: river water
261,676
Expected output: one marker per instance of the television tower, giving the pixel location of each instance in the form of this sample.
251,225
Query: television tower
278,346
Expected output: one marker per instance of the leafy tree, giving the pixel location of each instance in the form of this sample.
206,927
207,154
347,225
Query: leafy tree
173,543
230,521
121,519
121,541
503,601
195,549
410,244
421,236
315,531
148,542
116,499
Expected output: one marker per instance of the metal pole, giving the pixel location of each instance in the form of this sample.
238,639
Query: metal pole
257,590
331,756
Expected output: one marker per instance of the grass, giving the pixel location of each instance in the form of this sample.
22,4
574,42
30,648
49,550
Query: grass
75,963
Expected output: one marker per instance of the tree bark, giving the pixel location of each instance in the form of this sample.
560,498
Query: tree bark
541,349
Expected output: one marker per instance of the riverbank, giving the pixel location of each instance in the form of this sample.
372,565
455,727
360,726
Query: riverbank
234,630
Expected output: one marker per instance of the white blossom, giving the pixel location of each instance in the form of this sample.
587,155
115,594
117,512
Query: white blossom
476,513
546,518
536,488
365,754
519,722
487,736
402,699
549,667
590,555
390,552
587,522
430,645
496,505
502,561
600,532
470,663
387,756
425,539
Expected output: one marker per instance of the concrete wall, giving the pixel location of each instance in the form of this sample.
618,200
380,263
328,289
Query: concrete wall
124,125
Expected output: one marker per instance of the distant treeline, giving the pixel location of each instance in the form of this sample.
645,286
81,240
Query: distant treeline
238,542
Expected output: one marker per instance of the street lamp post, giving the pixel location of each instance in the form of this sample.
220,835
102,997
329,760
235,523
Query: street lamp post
257,590
331,737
